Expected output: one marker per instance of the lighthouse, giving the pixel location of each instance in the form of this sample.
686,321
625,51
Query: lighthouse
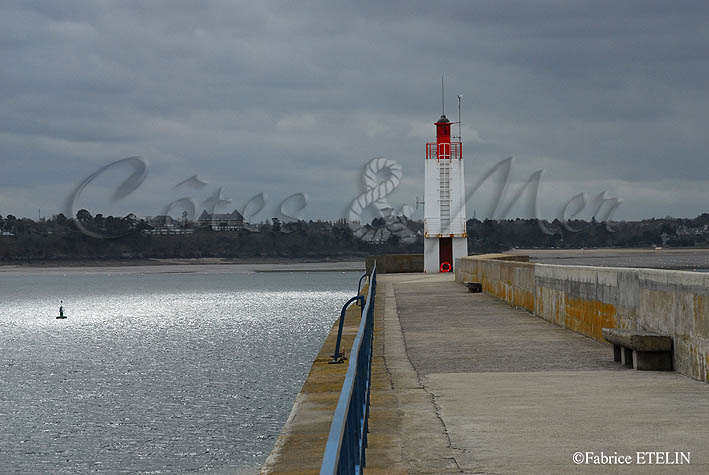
445,237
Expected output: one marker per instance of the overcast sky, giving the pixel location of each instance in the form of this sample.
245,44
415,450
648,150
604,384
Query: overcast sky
296,97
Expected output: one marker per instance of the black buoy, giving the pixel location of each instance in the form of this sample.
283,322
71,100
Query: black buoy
61,310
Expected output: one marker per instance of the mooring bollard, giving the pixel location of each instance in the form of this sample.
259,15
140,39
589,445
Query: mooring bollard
337,357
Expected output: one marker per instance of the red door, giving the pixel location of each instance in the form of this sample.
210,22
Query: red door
445,254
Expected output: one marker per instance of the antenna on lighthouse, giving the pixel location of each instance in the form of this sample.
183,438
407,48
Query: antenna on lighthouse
460,134
443,101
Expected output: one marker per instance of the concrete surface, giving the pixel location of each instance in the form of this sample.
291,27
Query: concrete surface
480,387
638,340
587,299
665,258
420,443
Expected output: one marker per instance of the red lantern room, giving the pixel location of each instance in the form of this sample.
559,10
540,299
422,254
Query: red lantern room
443,137
443,148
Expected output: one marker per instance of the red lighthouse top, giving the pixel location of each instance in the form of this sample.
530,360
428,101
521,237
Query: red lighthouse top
443,129
443,148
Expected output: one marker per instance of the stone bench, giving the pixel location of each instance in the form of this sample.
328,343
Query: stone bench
641,350
474,287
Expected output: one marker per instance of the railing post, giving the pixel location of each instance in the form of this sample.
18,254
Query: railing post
359,285
337,357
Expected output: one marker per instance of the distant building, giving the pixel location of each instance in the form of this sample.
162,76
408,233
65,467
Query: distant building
685,231
162,221
162,225
233,221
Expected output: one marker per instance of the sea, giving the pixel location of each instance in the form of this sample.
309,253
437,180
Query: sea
155,372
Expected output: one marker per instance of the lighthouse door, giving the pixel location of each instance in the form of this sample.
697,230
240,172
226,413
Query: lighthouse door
445,254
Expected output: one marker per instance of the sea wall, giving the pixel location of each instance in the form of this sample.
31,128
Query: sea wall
587,299
395,263
300,446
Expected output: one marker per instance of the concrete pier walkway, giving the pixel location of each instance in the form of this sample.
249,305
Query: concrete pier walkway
475,386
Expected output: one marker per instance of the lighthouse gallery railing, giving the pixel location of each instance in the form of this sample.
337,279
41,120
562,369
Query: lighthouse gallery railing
344,451
447,150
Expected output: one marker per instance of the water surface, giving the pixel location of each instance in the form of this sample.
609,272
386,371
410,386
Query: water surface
155,372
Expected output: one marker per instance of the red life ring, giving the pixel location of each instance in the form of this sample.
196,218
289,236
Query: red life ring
446,266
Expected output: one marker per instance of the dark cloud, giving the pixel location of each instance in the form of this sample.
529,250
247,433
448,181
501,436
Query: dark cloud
296,97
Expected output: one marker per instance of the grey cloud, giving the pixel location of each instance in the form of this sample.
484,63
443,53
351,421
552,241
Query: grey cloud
296,97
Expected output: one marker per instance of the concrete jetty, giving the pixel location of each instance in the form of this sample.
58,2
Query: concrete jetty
301,444
481,387
518,379
587,299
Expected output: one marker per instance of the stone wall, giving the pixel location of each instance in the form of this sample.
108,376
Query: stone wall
512,282
395,263
586,299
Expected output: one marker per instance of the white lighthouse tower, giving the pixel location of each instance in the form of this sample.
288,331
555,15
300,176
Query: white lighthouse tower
445,236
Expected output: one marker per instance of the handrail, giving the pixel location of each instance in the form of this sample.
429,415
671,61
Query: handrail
337,357
359,285
347,441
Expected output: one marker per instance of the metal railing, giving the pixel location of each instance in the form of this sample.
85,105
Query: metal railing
454,151
347,441
338,357
359,284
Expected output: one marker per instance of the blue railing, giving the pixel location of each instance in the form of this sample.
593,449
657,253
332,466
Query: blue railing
338,357
344,452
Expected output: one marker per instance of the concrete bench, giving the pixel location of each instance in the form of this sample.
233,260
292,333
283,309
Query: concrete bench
640,349
474,287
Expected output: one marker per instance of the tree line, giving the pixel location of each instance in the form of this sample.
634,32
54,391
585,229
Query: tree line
101,237
61,238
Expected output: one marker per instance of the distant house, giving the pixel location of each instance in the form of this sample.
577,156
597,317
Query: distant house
166,225
685,231
233,221
162,221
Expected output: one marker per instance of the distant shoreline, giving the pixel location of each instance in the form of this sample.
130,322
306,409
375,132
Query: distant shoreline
173,261
667,258
196,265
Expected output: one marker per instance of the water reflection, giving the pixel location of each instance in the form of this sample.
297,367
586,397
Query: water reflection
155,372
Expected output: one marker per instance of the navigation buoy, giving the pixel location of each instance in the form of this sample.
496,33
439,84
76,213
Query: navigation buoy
61,310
